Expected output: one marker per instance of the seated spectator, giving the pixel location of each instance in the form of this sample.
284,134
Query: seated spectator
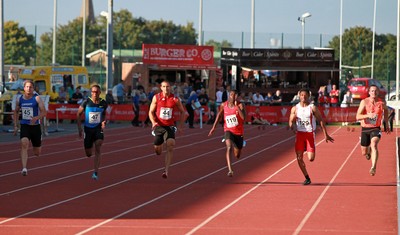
258,99
249,98
256,119
277,98
62,96
76,97
296,98
268,98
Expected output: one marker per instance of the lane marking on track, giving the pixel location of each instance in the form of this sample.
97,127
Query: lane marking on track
316,203
177,189
123,181
245,194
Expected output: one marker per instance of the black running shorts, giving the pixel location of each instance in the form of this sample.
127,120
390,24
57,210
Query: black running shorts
367,133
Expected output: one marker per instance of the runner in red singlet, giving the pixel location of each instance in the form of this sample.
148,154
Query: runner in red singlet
161,114
370,113
233,113
302,121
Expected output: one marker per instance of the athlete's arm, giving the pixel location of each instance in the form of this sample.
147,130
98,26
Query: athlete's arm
292,119
152,111
78,120
42,110
360,111
182,110
219,115
318,116
16,116
385,117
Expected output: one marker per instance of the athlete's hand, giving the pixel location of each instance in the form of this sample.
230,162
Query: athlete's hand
328,138
211,131
15,130
80,131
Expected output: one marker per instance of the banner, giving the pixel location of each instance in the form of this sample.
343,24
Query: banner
273,114
166,55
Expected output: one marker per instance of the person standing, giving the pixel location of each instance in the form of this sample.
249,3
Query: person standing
33,110
302,122
334,95
161,114
370,113
190,106
94,108
233,127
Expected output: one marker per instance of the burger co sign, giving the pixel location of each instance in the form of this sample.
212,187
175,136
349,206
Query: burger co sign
177,54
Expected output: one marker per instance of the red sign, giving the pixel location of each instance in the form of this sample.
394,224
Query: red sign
178,55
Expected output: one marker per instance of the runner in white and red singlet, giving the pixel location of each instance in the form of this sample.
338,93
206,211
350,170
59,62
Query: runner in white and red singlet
302,121
370,113
233,113
161,114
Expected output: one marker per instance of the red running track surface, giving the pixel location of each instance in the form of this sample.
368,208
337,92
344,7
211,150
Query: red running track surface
265,196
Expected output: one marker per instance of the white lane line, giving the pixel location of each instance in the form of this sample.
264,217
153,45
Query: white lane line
175,190
243,195
316,203
123,181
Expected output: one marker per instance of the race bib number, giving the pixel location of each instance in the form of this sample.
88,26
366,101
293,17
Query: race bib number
231,121
94,117
27,113
165,113
302,123
372,120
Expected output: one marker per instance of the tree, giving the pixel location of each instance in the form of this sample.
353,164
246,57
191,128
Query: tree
357,51
218,45
19,45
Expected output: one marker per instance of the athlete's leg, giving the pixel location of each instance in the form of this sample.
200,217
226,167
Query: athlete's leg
97,154
374,154
24,151
300,161
169,154
228,143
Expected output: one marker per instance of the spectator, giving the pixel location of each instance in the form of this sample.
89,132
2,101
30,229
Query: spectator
334,95
110,97
212,108
203,97
256,119
322,98
136,107
268,98
257,99
296,98
347,100
277,98
190,106
11,76
119,92
77,96
225,94
218,96
391,114
62,96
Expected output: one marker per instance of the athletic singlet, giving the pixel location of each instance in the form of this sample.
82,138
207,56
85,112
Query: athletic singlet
165,109
305,120
233,121
94,113
29,109
370,107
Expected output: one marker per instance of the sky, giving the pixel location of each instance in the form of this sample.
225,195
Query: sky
222,16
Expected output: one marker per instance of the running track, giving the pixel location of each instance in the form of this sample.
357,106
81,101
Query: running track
265,196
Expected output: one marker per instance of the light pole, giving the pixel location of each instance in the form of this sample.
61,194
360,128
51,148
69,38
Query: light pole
109,17
302,19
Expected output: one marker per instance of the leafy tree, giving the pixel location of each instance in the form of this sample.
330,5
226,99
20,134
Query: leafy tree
218,45
19,45
357,51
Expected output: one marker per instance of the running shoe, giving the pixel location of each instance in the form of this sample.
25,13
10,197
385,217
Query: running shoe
368,156
95,176
372,171
223,140
24,172
164,175
244,143
307,182
230,173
